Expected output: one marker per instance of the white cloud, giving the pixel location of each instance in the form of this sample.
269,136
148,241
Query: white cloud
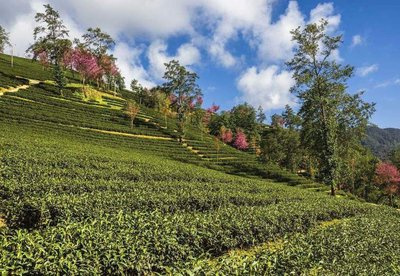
275,40
210,26
325,11
154,19
187,55
269,87
388,83
130,66
356,40
366,70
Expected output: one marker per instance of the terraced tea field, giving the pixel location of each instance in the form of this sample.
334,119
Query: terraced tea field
83,193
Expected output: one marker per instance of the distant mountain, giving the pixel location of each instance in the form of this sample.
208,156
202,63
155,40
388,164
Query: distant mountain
382,141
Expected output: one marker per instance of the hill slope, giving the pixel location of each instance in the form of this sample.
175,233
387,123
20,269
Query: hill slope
382,141
83,193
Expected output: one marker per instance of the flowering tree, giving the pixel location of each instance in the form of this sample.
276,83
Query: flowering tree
226,135
86,64
43,59
388,177
240,140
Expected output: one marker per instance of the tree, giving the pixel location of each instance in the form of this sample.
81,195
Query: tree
261,115
163,105
332,119
131,109
277,121
49,35
44,59
182,84
395,157
59,78
4,39
388,177
226,135
97,42
290,118
243,116
240,140
138,89
86,64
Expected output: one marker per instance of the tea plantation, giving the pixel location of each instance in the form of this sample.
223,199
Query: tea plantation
82,193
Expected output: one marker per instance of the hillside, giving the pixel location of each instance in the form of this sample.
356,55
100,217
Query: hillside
83,193
382,141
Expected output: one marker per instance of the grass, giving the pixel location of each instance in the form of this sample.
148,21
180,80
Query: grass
111,201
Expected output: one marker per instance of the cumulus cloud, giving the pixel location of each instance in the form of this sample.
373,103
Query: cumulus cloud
366,70
325,11
275,40
356,40
268,87
128,61
187,55
211,27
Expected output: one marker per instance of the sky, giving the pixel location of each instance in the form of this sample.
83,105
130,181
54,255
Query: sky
237,47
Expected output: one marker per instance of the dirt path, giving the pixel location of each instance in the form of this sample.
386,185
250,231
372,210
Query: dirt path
13,89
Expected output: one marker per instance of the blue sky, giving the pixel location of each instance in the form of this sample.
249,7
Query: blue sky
237,47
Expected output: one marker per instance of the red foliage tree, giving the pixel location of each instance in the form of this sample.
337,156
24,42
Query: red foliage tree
387,177
241,140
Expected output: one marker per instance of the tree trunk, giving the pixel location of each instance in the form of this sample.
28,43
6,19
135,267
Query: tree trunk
333,190
132,123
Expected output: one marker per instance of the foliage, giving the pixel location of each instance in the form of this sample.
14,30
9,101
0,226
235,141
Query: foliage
4,39
132,109
332,120
240,140
395,157
282,146
59,78
388,177
226,135
182,84
97,42
261,115
50,35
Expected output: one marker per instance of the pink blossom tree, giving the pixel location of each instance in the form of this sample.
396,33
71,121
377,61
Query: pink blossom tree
240,140
387,177
44,59
226,135
86,64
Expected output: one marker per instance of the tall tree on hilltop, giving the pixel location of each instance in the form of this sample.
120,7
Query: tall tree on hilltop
4,39
332,119
97,41
182,84
50,35
50,39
